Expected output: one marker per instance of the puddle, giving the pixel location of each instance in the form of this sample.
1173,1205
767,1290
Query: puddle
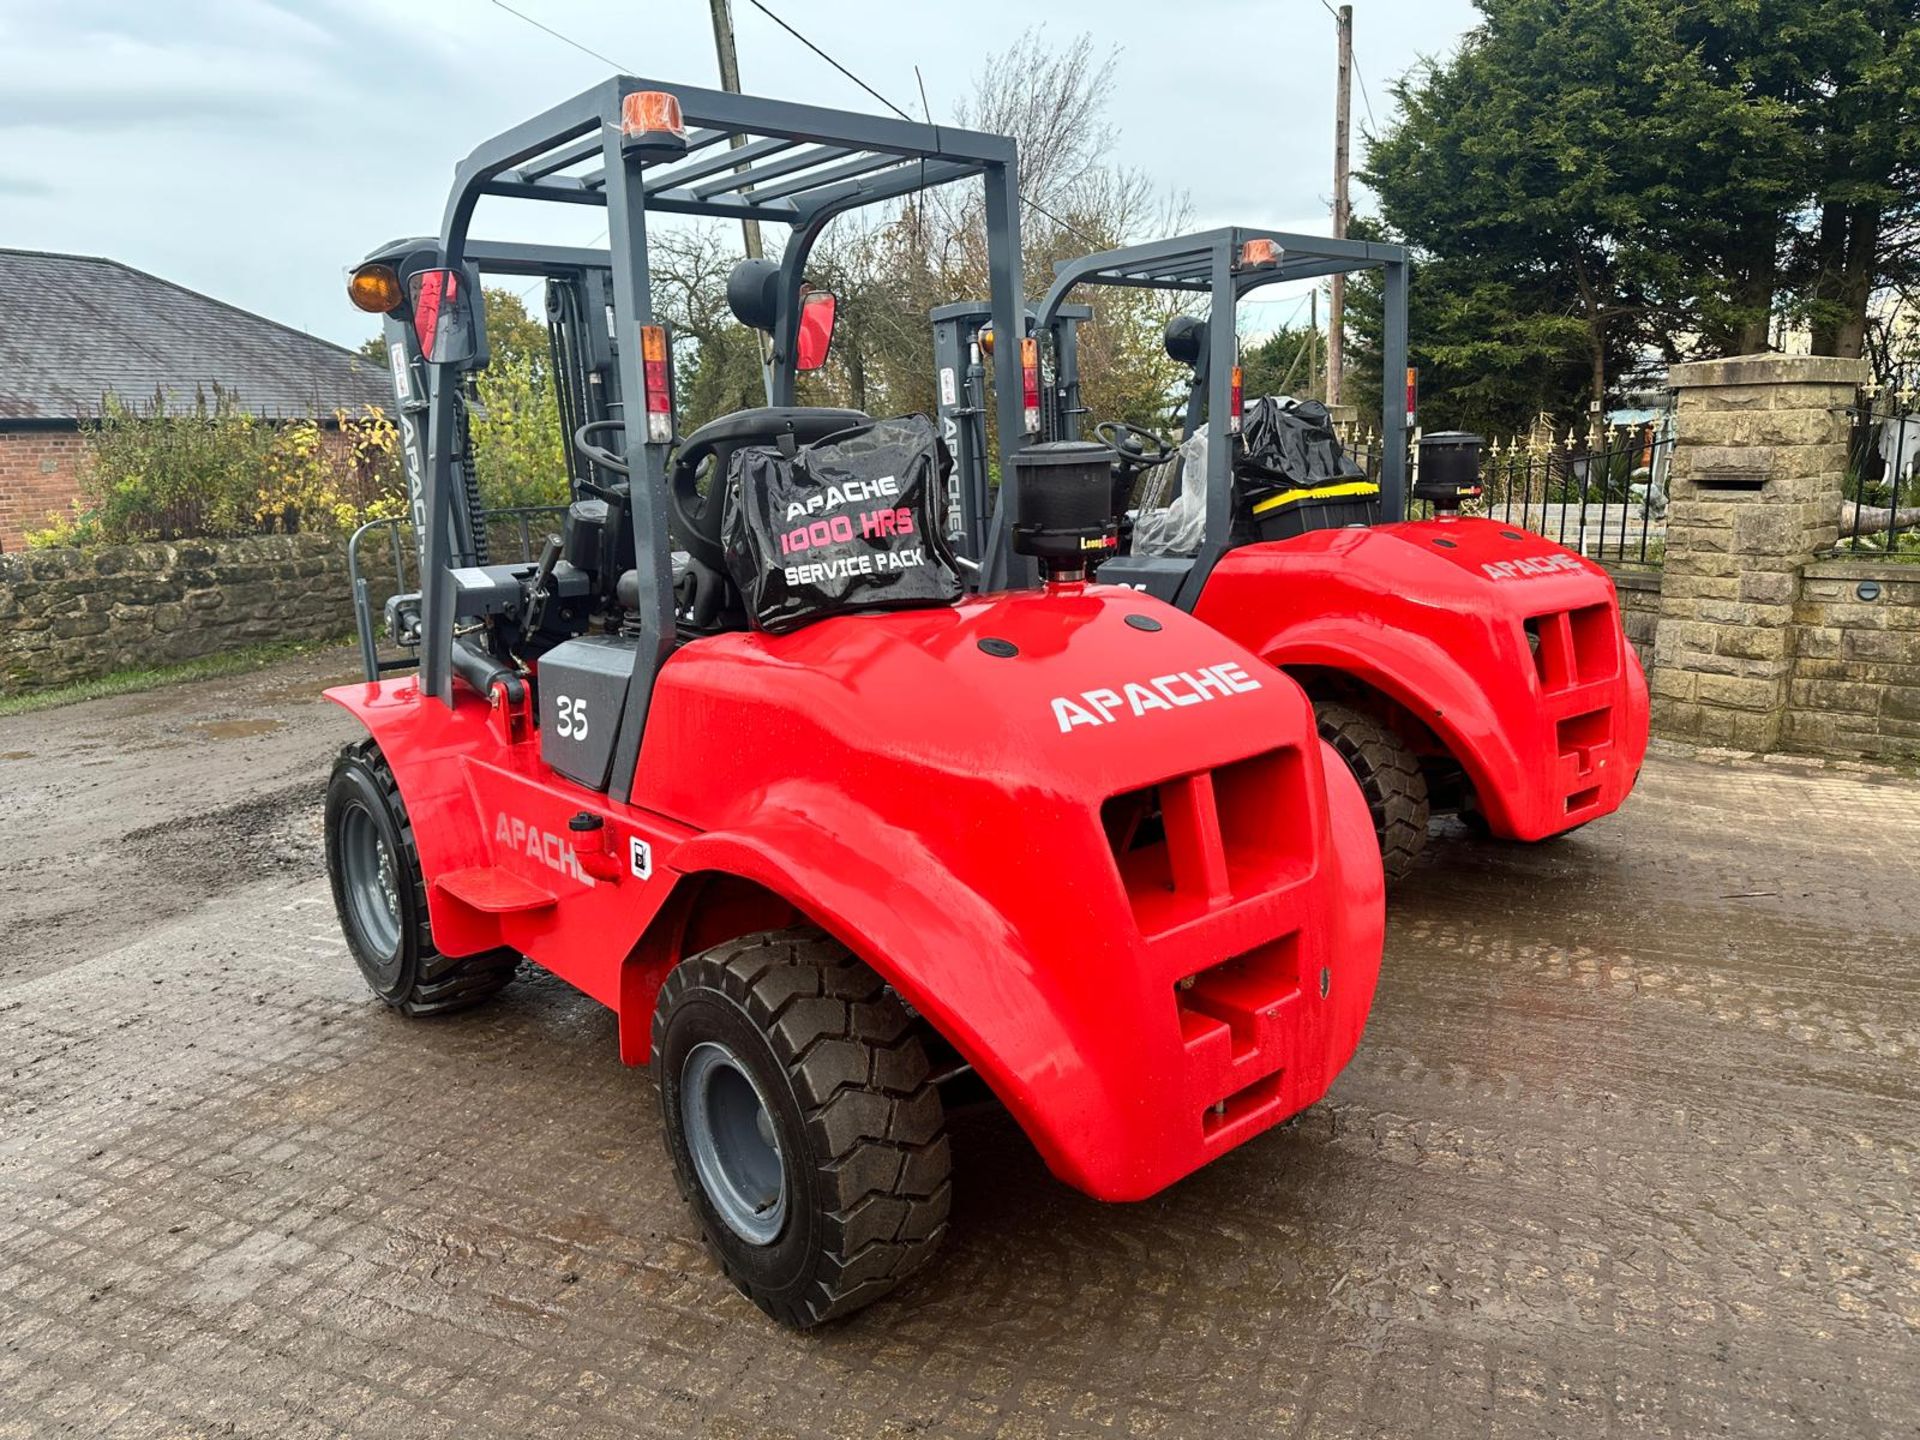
238,729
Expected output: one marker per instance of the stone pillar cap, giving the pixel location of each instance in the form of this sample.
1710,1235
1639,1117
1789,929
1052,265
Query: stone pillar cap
1768,370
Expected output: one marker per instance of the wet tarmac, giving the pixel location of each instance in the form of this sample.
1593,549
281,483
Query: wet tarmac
1629,1150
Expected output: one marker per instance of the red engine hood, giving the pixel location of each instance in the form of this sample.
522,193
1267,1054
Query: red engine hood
1083,692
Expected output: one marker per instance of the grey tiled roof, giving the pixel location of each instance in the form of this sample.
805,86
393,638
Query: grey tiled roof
74,328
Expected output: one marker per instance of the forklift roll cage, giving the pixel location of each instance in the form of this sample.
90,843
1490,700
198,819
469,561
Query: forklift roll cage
1209,262
794,165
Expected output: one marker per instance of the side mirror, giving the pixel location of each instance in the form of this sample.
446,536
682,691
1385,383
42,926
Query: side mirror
817,314
442,316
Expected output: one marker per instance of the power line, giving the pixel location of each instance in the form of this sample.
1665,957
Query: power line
563,39
1365,98
1026,200
826,57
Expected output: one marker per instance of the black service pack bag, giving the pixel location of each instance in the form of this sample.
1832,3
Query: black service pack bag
840,527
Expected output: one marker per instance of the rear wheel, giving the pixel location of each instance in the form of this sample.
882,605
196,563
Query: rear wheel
382,896
1390,777
803,1125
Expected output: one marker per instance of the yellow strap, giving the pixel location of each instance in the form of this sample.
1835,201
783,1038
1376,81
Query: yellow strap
1324,492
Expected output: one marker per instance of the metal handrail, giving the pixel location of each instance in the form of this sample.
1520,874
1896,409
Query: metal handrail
371,661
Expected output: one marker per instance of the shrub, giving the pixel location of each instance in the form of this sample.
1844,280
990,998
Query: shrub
216,472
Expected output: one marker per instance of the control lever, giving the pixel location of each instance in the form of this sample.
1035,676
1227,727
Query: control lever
540,588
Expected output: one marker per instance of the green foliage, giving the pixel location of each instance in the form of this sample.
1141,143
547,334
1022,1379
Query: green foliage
519,454
1586,183
1283,364
217,471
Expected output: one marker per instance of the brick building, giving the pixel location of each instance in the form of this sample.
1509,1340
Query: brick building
75,328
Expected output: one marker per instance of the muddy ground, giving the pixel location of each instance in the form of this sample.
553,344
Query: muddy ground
1629,1149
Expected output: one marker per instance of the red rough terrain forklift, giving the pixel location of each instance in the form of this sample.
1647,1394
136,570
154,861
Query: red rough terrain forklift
1457,664
736,755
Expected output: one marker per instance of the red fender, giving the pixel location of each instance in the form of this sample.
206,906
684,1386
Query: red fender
1507,646
1077,1059
1416,673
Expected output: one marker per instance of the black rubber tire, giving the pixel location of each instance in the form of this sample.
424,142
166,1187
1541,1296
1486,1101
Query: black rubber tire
410,974
859,1123
1390,777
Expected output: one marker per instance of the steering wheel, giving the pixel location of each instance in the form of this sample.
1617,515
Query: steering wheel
1138,449
696,518
599,454
699,521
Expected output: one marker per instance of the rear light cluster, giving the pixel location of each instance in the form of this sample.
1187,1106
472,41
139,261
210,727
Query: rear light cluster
653,365
432,289
1030,384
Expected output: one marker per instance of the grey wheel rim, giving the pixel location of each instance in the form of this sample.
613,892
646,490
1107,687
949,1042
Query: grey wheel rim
735,1149
373,894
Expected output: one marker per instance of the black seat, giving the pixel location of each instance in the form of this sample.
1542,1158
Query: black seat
697,517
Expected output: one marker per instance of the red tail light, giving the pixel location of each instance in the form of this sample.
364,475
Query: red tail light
1030,383
653,366
433,288
1413,396
1235,397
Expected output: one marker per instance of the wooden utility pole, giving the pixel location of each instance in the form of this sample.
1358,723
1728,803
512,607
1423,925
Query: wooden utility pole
1342,206
730,82
1313,343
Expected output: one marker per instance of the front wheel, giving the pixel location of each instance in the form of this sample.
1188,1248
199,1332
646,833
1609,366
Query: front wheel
804,1128
1390,777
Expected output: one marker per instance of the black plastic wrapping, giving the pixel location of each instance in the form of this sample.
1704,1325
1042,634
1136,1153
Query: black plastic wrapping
840,527
1291,474
1290,445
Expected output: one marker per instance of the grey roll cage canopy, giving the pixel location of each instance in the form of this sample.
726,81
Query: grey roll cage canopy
745,157
1208,262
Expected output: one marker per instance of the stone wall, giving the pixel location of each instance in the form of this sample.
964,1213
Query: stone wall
1856,669
68,615
39,477
1639,608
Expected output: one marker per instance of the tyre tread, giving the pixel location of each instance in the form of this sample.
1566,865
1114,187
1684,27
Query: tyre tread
890,1192
1390,779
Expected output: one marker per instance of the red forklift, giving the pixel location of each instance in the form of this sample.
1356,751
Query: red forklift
737,755
1456,664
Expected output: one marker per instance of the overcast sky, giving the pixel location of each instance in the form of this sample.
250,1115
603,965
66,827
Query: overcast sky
253,149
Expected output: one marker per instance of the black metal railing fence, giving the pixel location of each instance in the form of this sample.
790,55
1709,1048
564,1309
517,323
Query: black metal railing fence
1602,493
1880,499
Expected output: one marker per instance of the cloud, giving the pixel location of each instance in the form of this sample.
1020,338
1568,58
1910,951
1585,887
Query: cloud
88,68
21,187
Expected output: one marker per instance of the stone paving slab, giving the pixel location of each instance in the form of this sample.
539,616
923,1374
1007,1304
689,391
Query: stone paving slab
1629,1150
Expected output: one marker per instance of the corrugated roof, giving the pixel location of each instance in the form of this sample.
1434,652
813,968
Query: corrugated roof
74,328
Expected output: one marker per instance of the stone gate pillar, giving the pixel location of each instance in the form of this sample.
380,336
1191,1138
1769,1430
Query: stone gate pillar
1760,454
